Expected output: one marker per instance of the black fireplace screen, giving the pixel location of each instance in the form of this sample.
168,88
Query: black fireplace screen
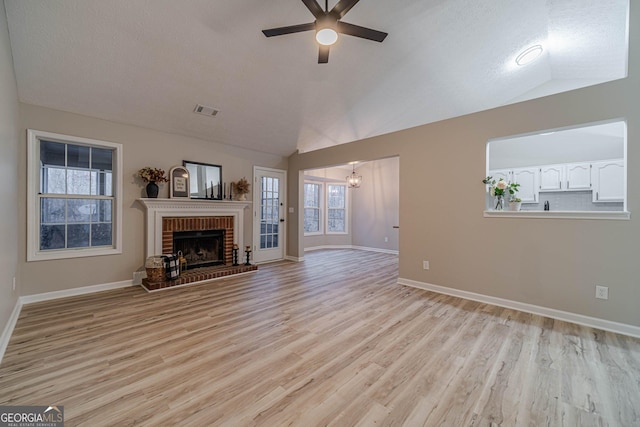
200,248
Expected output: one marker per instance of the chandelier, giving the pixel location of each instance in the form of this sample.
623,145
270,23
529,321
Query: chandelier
354,180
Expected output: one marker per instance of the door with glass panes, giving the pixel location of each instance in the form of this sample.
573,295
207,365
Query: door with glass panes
268,214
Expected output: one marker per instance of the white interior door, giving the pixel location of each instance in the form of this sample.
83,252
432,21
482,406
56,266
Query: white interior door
268,214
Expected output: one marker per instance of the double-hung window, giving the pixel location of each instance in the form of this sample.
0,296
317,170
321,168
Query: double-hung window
74,202
313,195
336,208
325,208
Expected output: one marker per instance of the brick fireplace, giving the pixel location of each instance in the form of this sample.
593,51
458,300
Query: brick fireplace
187,213
177,225
164,217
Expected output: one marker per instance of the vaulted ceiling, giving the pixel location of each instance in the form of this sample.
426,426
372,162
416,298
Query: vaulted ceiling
149,62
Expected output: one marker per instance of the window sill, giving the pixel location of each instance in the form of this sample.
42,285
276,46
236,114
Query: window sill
71,253
617,215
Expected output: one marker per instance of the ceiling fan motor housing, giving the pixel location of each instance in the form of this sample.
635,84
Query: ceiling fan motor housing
328,24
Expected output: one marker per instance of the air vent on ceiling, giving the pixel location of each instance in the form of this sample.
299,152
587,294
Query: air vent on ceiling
205,110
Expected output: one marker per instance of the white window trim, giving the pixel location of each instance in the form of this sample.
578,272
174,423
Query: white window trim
346,209
321,229
33,212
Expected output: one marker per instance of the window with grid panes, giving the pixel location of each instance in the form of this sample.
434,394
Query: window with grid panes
312,208
74,206
336,208
269,217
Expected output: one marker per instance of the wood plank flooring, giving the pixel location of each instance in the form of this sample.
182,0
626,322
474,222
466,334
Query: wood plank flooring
330,341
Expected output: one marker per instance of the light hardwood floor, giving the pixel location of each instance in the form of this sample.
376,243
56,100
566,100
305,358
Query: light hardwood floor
330,341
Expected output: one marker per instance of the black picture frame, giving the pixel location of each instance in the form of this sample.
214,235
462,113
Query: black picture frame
205,180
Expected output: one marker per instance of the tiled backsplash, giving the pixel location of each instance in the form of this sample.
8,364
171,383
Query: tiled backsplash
571,201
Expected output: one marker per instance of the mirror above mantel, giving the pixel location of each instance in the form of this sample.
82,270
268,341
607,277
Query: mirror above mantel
205,180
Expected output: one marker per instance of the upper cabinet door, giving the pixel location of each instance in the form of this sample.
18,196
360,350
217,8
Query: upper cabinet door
578,176
551,177
528,180
608,181
498,174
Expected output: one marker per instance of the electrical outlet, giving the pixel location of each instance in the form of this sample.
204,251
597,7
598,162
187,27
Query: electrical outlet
602,292
386,239
425,265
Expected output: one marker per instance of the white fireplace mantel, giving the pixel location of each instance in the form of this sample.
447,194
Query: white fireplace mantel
157,209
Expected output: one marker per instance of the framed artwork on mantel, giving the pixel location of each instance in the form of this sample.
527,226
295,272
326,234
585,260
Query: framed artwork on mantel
179,183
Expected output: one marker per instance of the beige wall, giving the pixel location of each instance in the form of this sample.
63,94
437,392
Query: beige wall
376,205
550,263
142,147
8,175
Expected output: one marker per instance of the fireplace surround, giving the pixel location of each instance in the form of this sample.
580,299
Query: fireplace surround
166,216
190,215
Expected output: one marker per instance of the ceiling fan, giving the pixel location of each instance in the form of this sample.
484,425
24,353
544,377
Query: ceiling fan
327,26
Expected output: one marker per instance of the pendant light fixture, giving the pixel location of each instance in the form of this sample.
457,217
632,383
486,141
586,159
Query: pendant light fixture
354,180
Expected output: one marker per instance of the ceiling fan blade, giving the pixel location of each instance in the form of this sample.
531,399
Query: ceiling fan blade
323,54
314,8
290,29
342,7
362,32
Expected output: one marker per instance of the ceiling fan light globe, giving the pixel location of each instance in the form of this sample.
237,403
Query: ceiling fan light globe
326,36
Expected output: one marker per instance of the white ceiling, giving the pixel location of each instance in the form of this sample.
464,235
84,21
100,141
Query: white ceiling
148,62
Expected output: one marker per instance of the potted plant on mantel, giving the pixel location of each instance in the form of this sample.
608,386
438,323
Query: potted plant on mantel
241,188
152,176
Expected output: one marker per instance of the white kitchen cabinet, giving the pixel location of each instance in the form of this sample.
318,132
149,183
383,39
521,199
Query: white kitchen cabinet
578,176
529,186
526,177
608,181
562,177
498,174
551,177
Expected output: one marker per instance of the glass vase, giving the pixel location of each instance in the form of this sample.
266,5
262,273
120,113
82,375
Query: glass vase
499,203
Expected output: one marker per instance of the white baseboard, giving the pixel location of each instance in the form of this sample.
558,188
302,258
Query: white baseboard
594,322
317,248
379,250
8,329
46,296
359,248
294,259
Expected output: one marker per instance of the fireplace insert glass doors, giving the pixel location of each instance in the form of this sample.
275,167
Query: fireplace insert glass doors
200,248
